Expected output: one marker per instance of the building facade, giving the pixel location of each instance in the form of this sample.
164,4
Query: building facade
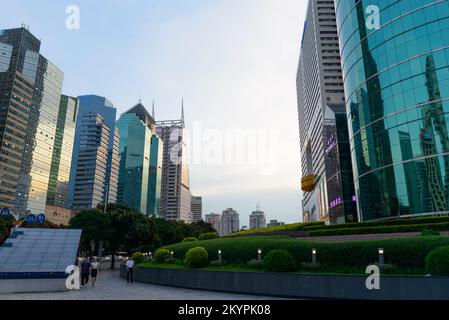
89,181
326,185
214,219
30,91
275,223
175,195
395,66
155,177
58,185
230,221
90,104
197,209
136,127
257,220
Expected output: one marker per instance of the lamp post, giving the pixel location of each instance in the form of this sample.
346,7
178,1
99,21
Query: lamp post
220,260
172,254
259,255
314,251
381,257
150,255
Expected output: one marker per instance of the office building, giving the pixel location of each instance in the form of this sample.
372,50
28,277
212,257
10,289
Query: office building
397,88
257,220
175,195
30,90
89,182
136,128
155,177
275,223
326,170
214,219
197,209
88,105
230,221
58,185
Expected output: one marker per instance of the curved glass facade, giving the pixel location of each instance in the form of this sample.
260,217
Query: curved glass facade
396,78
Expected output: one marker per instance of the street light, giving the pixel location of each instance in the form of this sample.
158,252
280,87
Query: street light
314,256
219,256
259,255
381,256
172,253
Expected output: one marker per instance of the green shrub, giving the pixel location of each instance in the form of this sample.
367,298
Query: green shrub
437,262
279,261
286,227
190,239
137,257
197,257
427,232
254,263
161,255
311,267
208,236
171,261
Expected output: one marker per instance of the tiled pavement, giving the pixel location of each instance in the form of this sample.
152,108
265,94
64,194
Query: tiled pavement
110,286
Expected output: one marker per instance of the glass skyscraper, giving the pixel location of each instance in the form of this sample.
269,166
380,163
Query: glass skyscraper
396,76
136,128
155,176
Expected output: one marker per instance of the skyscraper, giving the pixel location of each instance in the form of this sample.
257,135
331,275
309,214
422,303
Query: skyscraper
257,220
105,109
214,219
230,221
30,87
327,173
197,209
155,177
175,195
89,181
136,128
396,84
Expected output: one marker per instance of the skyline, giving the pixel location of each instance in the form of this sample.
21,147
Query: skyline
251,58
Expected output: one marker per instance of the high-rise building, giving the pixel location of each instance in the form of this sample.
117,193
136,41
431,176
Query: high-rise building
327,178
230,221
275,223
396,83
155,177
214,219
58,186
105,109
89,182
175,195
30,91
136,128
197,209
257,220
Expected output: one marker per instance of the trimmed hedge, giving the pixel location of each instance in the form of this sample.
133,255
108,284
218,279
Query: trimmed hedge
286,227
403,252
279,261
381,229
197,257
437,262
190,239
208,236
137,257
161,255
394,222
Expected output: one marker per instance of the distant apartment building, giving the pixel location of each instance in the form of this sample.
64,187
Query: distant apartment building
230,221
155,176
136,127
275,223
89,181
30,91
88,105
175,195
257,220
327,180
214,219
197,209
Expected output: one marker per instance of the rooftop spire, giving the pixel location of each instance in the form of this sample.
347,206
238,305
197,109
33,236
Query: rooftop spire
182,111
152,112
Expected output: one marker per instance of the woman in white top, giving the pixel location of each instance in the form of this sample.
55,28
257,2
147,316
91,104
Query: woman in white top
94,270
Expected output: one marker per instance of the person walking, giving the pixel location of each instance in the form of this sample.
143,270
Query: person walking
94,270
85,271
130,270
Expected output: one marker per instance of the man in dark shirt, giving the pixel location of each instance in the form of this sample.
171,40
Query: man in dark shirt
85,271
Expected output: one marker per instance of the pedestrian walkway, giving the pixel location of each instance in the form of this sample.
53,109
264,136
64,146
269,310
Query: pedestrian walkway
110,286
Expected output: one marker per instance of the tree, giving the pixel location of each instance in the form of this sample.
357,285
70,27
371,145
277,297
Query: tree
201,227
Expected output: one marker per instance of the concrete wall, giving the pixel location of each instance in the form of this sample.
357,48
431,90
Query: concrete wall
32,285
297,285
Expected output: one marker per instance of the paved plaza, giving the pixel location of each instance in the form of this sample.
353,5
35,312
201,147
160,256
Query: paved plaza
110,286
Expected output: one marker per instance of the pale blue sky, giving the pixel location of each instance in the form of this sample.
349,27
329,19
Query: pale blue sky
233,61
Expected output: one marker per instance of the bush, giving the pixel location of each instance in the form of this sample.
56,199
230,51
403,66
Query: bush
197,257
171,261
427,232
286,227
254,263
313,267
190,239
279,261
161,255
137,257
437,262
208,236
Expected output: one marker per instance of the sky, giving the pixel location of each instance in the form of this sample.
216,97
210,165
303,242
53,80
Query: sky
233,62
